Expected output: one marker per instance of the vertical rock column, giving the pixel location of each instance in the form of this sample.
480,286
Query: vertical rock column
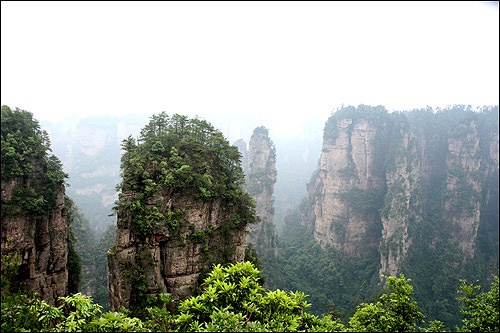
399,212
260,184
462,201
171,262
348,170
42,243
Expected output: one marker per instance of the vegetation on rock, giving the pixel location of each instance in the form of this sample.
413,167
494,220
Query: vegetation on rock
25,157
178,155
35,210
414,156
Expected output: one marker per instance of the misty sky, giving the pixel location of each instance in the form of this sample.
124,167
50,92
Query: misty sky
282,62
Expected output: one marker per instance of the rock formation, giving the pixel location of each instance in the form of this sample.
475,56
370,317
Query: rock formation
34,224
171,262
186,212
380,174
261,178
347,177
462,202
42,244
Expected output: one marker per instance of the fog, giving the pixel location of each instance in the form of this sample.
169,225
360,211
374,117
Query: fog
239,65
246,64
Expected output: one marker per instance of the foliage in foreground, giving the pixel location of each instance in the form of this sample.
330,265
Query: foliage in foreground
394,312
480,309
233,300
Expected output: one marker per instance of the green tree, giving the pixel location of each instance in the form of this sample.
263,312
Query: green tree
25,156
481,310
233,300
396,311
178,155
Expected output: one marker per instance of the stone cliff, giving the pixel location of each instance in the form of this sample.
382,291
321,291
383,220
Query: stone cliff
384,179
345,210
171,261
181,210
401,207
34,223
348,169
42,243
462,201
261,178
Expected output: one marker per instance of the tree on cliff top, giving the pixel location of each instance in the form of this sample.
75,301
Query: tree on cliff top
25,155
181,156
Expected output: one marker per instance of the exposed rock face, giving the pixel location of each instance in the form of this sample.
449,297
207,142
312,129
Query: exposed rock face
260,180
378,170
41,242
400,209
462,202
181,209
34,223
348,165
171,262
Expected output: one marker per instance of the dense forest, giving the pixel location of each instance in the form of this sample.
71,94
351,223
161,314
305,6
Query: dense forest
181,196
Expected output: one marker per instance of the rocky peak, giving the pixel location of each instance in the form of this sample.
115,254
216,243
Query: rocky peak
260,184
181,209
380,175
349,176
35,226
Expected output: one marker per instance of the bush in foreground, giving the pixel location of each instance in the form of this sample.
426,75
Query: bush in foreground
233,300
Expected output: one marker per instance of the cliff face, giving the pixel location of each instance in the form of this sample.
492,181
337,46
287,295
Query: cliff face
347,174
171,261
181,210
386,180
34,222
462,201
260,181
42,244
401,206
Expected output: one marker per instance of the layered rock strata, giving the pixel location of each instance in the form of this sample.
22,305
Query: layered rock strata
348,167
180,211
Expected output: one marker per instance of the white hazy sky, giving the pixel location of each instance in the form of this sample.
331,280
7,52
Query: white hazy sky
283,62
